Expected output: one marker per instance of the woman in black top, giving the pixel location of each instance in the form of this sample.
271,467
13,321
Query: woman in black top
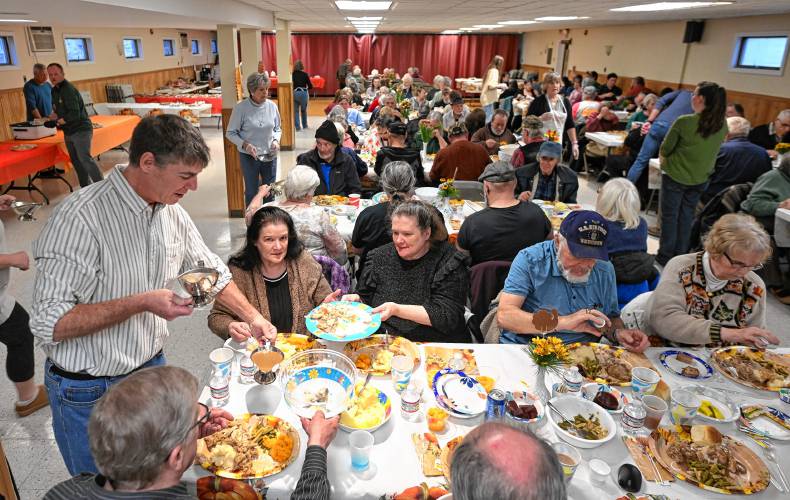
372,228
555,112
302,86
419,281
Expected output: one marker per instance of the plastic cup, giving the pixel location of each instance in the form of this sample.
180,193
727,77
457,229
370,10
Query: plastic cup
569,458
353,199
599,471
643,381
361,444
684,406
655,408
222,359
402,367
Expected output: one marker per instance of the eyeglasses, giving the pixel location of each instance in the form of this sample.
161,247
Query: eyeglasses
202,420
741,265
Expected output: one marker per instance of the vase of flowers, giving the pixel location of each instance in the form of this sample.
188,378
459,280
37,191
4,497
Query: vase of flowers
549,355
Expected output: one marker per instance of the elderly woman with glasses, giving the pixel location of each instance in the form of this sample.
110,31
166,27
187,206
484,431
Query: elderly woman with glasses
714,296
255,129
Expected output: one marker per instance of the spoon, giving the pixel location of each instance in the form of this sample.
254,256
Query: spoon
365,384
573,429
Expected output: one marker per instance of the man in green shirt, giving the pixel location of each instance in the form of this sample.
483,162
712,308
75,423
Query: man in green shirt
71,117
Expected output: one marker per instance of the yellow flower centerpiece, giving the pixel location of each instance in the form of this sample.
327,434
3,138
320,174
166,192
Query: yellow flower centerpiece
548,353
448,190
783,148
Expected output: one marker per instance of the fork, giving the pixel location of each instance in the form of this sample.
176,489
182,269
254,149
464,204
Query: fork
770,455
659,477
780,482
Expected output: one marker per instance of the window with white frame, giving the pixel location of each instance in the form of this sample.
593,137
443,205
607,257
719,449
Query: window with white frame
168,46
8,58
760,53
132,48
79,48
195,47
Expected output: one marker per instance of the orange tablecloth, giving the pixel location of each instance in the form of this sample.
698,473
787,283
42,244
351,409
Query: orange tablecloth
114,131
318,82
16,164
214,100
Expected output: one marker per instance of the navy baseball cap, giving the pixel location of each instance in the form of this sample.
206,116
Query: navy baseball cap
585,231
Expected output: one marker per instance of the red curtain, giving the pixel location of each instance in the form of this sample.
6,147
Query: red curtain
455,56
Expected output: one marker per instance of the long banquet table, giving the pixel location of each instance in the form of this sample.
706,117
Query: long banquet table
113,131
396,462
214,100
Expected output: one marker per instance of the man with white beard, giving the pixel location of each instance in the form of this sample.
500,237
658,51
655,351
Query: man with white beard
572,276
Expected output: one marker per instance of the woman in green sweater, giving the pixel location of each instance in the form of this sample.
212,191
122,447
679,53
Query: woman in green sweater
688,155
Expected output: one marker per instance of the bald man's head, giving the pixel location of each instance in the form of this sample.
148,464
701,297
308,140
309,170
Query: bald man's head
499,461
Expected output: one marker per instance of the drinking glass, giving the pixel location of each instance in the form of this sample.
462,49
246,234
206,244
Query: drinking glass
361,444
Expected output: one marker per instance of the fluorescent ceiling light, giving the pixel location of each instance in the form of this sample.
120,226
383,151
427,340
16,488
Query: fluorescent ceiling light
350,5
365,23
365,18
488,26
560,18
658,6
451,32
516,22
470,29
18,21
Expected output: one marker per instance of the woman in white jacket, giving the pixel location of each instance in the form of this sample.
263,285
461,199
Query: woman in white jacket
489,93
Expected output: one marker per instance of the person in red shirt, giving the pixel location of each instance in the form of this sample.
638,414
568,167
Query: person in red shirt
462,159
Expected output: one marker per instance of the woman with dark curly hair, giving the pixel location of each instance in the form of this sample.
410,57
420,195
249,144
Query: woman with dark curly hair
688,155
276,275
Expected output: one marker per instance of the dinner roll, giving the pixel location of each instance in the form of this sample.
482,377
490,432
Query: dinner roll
705,434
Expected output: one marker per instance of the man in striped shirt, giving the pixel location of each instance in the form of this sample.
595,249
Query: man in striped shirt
104,262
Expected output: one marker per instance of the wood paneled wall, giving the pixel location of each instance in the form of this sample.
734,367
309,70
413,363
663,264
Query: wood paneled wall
12,101
759,108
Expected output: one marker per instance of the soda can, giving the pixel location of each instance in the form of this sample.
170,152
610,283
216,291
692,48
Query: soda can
495,405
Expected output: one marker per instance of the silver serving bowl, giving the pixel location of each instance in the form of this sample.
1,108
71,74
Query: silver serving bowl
24,210
266,378
199,283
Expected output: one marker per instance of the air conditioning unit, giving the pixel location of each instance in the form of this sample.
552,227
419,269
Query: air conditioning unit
42,39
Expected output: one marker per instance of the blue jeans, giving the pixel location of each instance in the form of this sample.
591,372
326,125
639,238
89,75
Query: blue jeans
650,147
256,173
677,215
301,96
72,402
489,109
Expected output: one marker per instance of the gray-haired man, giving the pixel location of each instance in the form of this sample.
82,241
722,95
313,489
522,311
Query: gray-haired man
503,462
144,440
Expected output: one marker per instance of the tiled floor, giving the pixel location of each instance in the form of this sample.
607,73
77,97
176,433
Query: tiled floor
31,449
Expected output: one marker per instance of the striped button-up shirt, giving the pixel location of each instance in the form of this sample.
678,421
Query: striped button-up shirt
102,243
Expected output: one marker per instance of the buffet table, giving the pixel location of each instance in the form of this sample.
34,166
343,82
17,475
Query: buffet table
113,131
214,100
606,139
185,90
394,451
16,164
143,109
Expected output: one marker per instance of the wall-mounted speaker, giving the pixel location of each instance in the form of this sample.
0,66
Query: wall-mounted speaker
694,31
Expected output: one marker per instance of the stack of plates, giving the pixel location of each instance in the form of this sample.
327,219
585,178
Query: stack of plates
458,393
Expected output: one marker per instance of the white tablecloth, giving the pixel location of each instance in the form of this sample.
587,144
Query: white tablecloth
606,139
187,90
345,224
782,227
143,108
395,460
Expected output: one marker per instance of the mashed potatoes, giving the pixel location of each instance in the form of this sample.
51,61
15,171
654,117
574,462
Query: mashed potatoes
366,411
